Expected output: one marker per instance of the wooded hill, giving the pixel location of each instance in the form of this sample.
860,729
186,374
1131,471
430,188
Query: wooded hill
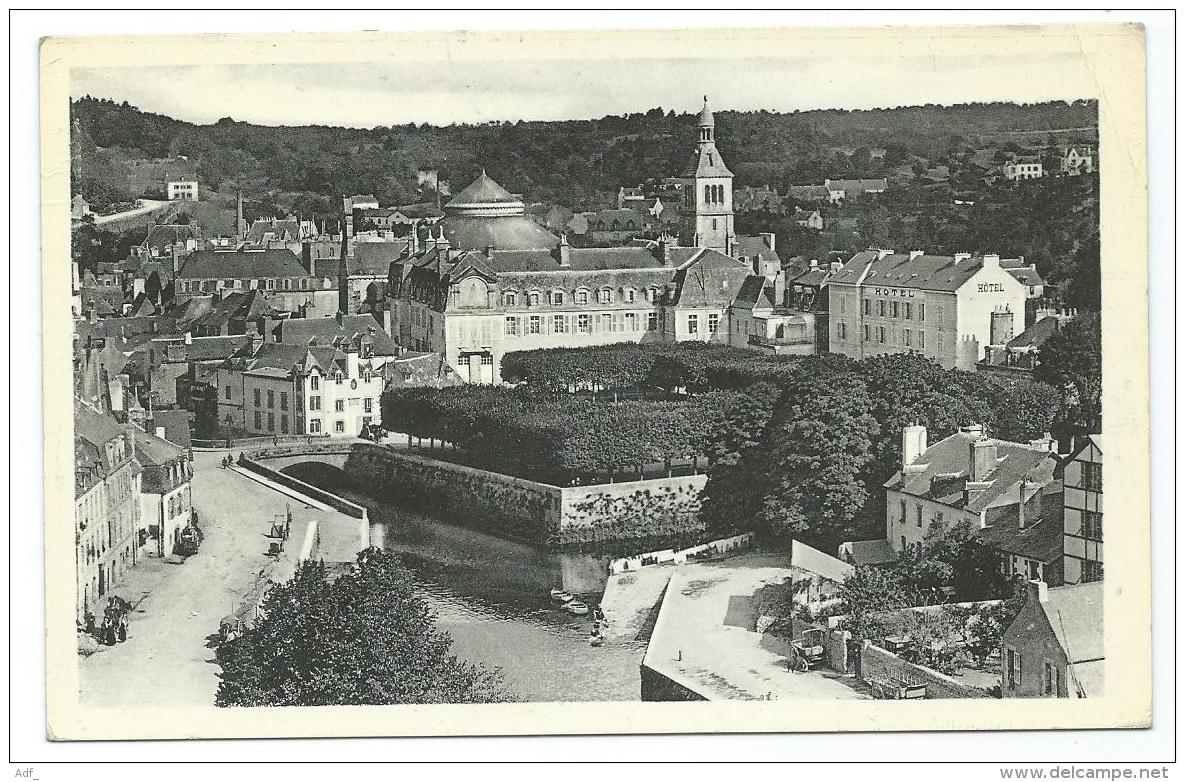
576,163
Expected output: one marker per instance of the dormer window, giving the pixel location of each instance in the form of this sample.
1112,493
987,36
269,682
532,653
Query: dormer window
605,296
510,298
557,298
630,294
582,296
533,298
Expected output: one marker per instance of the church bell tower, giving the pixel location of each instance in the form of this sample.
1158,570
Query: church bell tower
707,215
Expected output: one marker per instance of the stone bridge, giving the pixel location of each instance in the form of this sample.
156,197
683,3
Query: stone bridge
320,464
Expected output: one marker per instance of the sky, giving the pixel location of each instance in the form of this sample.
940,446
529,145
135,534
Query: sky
448,91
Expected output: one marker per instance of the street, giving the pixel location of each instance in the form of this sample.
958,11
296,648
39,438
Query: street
168,658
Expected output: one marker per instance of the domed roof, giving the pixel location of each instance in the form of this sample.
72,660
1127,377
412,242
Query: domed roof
706,120
482,192
485,214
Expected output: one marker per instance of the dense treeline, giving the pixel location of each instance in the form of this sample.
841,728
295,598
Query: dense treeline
364,637
835,436
797,446
557,438
574,162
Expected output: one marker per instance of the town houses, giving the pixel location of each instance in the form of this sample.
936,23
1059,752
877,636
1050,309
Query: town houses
291,335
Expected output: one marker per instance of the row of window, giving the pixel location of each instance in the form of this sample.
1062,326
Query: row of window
270,284
314,423
556,298
879,334
580,324
892,308
339,405
714,194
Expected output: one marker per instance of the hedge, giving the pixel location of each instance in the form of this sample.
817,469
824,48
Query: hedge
624,365
557,438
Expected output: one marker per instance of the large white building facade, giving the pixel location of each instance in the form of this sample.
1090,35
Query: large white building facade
488,280
942,307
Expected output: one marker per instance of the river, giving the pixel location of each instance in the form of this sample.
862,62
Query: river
492,596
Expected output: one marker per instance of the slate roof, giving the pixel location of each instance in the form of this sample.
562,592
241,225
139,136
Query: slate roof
420,369
754,294
850,186
299,331
242,264
176,424
163,237
755,245
153,450
1036,335
204,348
709,279
808,192
281,230
945,466
1041,538
92,431
707,162
867,552
374,258
1076,615
925,272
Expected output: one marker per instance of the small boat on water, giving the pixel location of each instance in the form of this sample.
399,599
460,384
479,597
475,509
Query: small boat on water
561,596
576,608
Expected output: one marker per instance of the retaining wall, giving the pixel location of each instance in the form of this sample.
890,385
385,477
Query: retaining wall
569,517
877,664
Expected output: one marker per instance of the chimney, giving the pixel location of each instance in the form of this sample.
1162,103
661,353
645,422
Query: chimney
960,257
351,362
915,254
240,225
991,261
563,252
1001,328
1038,591
814,264
836,266
882,254
188,338
489,252
160,432
913,444
1020,508
306,256
663,250
981,459
770,240
780,288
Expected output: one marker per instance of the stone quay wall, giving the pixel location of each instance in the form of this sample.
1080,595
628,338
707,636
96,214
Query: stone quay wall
567,517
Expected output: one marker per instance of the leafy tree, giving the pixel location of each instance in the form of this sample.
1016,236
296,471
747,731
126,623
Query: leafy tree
818,446
363,638
1071,361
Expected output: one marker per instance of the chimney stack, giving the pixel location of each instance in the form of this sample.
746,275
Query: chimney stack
991,261
882,254
915,254
490,252
913,444
1038,591
160,432
1001,328
563,252
770,240
188,338
960,257
981,459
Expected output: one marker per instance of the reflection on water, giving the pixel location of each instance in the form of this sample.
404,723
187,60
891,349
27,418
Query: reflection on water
491,596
